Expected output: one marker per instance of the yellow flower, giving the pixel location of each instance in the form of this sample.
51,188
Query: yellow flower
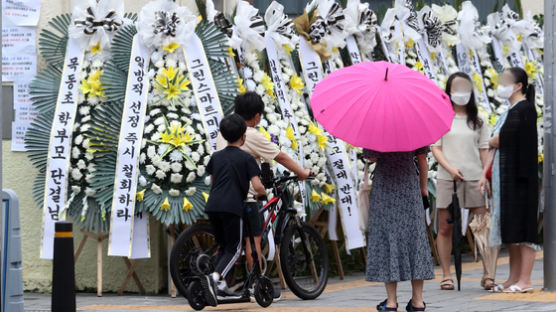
165,205
241,87
92,85
541,158
410,43
433,56
478,82
329,188
206,196
531,69
296,83
315,196
266,82
187,205
506,49
493,77
314,129
140,195
170,73
170,83
335,50
264,132
231,51
171,47
519,37
291,136
327,199
321,141
492,119
96,48
288,48
419,66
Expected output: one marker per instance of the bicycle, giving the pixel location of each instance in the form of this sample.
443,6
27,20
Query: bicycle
302,252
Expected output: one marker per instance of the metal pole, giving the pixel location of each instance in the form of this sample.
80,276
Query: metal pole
549,168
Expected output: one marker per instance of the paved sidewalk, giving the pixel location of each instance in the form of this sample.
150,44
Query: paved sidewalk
351,295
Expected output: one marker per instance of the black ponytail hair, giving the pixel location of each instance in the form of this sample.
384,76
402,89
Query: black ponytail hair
473,120
520,76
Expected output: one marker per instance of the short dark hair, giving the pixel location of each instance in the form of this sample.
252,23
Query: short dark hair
232,127
248,105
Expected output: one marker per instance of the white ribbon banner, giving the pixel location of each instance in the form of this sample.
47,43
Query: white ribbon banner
539,79
497,51
479,71
424,57
384,46
285,107
312,71
204,89
128,232
58,162
353,50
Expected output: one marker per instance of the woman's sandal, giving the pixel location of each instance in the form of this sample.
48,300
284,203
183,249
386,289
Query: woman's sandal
514,289
411,308
498,288
447,284
488,283
382,306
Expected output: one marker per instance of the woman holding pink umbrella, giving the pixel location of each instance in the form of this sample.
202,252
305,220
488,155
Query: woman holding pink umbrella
395,113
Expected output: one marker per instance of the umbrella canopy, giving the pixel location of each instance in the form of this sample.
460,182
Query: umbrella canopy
382,106
455,220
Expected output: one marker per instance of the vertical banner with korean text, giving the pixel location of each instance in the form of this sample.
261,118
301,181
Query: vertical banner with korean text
58,162
128,232
312,71
204,88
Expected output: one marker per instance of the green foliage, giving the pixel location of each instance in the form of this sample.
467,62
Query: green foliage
420,4
53,43
457,4
519,8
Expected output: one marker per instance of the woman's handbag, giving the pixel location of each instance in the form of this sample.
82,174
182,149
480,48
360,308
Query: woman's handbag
364,205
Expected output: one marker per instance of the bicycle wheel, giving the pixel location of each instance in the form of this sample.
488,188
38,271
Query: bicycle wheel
185,262
305,265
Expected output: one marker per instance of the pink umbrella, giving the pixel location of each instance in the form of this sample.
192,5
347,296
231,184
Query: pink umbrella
382,106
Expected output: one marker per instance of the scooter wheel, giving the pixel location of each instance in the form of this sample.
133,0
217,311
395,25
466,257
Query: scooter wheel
264,291
195,296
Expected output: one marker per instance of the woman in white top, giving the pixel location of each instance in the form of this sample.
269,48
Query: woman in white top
462,155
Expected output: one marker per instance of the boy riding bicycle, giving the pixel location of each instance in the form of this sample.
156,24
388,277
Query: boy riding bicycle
250,106
231,171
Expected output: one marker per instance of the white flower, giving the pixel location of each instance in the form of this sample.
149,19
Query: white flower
151,151
258,76
207,180
142,158
159,64
86,143
75,189
164,166
154,111
195,156
150,169
176,166
76,174
189,166
173,116
156,189
176,178
81,164
191,191
201,171
155,136
260,90
84,110
160,175
162,148
149,128
201,149
89,156
174,192
176,156
159,121
90,192
206,160
171,62
142,181
78,140
190,177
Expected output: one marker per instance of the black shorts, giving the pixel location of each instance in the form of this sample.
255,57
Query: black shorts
255,219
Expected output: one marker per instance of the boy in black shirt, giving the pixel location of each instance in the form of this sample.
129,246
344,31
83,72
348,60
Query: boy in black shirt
231,170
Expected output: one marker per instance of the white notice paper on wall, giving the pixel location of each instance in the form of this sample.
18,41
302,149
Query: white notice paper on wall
21,12
19,55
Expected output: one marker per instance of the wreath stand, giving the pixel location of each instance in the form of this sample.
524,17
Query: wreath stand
131,264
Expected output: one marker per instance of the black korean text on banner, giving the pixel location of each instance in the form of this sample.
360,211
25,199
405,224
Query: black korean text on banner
125,226
312,71
204,88
58,162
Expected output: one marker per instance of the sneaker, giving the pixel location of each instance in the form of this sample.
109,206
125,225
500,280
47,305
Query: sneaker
209,289
277,295
222,290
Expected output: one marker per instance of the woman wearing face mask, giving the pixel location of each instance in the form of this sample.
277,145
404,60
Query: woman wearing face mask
515,179
462,154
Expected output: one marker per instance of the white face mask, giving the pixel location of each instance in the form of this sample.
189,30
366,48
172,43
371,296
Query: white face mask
505,92
461,98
